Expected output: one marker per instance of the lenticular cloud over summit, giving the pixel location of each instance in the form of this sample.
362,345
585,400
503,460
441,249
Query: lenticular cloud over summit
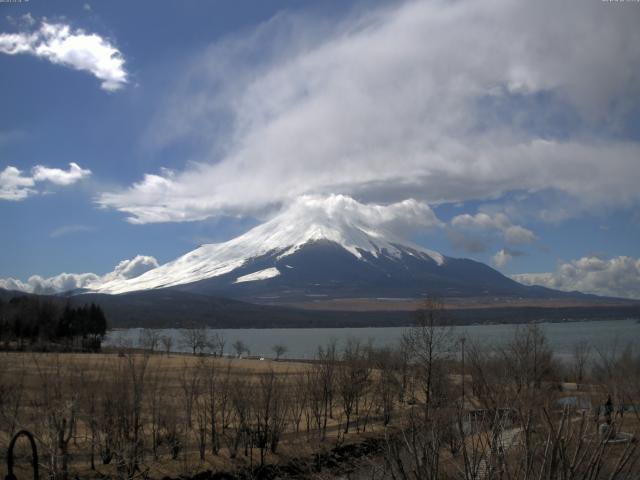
401,215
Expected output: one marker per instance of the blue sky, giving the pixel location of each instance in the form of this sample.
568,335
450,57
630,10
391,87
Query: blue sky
197,120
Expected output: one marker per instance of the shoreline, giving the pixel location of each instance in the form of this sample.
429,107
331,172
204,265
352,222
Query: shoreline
407,325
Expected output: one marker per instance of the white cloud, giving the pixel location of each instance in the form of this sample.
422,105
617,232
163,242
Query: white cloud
24,21
400,217
513,234
70,281
28,19
15,186
617,276
60,177
77,49
60,283
132,268
70,229
393,104
501,258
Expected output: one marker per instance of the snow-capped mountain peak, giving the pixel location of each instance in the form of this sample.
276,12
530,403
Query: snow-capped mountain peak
359,229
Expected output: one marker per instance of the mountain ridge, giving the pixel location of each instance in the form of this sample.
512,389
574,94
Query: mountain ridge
326,248
334,219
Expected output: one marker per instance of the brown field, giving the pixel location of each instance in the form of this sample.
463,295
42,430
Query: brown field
135,414
453,303
73,386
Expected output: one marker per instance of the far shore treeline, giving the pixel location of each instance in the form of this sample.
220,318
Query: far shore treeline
45,323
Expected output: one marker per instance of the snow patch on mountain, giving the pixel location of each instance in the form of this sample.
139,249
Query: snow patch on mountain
357,227
259,275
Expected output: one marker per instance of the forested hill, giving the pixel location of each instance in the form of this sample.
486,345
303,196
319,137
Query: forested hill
44,323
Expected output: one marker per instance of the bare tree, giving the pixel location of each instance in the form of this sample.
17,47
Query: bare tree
156,403
619,371
414,451
269,413
517,435
213,396
60,400
172,433
326,365
11,396
149,340
430,342
121,421
317,400
581,354
352,377
217,343
299,395
91,392
240,347
190,385
528,357
387,389
131,449
241,432
279,349
203,410
194,339
167,343
134,410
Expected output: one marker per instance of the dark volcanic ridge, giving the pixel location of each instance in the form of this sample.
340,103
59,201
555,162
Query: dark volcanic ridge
168,308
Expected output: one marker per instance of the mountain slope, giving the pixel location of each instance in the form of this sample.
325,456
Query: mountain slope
322,269
323,248
300,225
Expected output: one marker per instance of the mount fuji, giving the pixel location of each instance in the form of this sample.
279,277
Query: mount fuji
324,248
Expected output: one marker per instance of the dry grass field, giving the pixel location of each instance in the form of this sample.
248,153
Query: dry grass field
513,412
161,415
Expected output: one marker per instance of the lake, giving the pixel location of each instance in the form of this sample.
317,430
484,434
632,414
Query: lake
304,342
